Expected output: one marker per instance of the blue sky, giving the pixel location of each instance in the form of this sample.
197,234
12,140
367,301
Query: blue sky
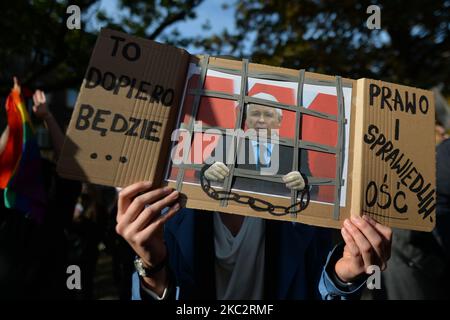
210,10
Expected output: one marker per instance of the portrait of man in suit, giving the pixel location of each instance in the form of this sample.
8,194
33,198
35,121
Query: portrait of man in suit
260,153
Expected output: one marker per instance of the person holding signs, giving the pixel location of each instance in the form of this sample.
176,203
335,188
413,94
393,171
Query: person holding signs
191,254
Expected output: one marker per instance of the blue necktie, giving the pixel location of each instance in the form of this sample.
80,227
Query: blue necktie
262,155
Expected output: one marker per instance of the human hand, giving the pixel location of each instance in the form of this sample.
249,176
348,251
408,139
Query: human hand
366,243
217,172
294,181
139,219
40,108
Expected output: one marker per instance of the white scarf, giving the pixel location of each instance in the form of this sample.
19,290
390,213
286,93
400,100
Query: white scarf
239,262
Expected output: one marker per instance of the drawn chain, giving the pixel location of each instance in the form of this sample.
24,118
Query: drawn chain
255,203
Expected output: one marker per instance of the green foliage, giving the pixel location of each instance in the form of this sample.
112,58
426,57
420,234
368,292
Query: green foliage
37,46
412,47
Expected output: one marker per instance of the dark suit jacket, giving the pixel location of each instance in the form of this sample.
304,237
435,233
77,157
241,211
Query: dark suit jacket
246,155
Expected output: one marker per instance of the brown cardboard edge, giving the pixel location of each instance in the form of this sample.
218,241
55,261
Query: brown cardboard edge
356,202
164,154
237,65
109,31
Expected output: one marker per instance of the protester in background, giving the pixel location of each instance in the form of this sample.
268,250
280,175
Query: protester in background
441,134
42,112
33,254
419,267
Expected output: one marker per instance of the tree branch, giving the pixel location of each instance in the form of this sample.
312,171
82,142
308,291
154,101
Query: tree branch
174,17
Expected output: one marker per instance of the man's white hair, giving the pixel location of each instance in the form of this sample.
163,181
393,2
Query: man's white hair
266,96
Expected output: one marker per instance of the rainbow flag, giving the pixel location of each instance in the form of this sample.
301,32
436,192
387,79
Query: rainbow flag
20,163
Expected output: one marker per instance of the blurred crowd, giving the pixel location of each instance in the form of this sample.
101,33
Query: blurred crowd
78,224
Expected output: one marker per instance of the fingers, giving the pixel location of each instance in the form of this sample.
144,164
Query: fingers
35,100
149,198
217,172
127,195
291,176
213,175
41,96
153,211
364,246
142,227
371,234
160,221
170,213
294,180
350,243
385,232
298,185
222,168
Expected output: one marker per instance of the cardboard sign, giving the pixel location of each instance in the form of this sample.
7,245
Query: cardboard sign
148,111
317,138
125,111
396,171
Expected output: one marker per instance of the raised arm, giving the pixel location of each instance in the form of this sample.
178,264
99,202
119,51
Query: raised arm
42,112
